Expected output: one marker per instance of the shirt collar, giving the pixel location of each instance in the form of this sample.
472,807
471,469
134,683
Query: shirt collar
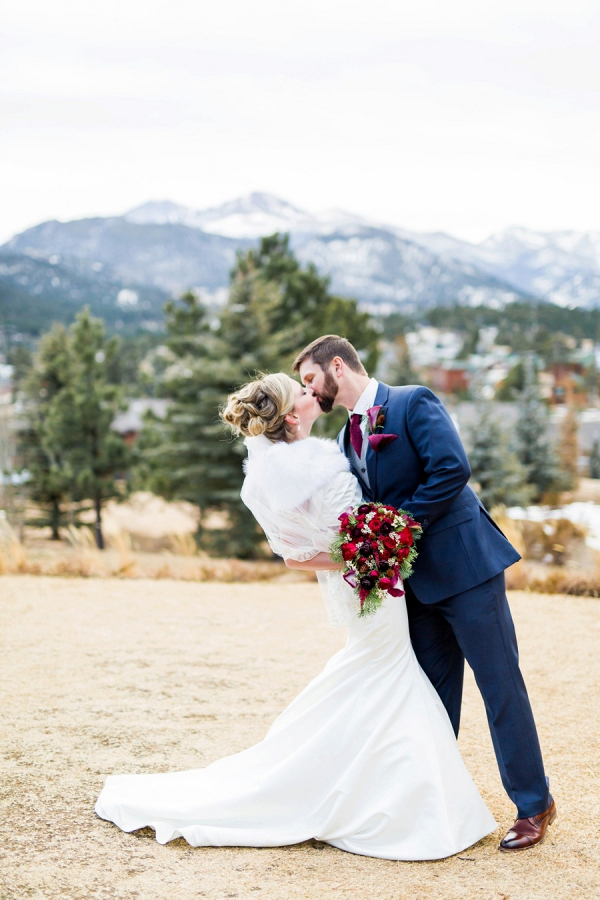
366,399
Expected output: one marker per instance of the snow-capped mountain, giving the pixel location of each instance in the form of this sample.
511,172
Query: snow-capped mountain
562,267
382,270
170,257
390,272
252,216
172,248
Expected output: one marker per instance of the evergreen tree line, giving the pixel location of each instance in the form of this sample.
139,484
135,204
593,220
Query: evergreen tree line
275,306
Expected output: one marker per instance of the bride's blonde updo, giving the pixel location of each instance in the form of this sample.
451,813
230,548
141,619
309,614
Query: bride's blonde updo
260,407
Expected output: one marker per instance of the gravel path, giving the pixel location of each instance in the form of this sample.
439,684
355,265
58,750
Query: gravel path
101,676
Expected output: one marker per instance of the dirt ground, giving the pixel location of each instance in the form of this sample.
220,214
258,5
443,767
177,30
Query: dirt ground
105,676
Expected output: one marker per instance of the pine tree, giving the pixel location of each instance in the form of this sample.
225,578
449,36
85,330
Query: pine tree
594,460
72,454
49,475
274,308
188,456
535,452
306,308
470,343
77,420
401,370
569,450
499,476
513,384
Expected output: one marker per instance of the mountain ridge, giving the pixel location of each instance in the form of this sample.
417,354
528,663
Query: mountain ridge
167,248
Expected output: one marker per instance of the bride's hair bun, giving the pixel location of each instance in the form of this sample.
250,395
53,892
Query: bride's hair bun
256,426
260,407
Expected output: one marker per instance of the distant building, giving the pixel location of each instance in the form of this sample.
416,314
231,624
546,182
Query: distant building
450,378
568,383
129,423
431,346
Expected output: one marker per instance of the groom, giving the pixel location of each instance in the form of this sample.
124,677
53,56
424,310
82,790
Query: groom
456,599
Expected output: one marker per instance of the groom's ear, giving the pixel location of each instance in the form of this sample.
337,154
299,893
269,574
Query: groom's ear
337,364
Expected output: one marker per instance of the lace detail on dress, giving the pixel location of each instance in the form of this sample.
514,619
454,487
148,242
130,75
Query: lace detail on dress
341,603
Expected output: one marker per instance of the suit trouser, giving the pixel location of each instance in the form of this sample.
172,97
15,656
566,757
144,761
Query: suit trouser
477,626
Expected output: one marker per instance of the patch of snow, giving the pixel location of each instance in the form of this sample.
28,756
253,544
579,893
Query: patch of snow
586,515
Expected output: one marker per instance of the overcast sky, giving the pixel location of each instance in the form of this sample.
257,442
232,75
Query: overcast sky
464,116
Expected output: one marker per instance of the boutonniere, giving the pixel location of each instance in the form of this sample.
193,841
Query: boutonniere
375,425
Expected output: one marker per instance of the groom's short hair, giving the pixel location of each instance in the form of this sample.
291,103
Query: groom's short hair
325,348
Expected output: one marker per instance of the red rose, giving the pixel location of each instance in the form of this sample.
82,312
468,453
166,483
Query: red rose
385,583
385,554
406,537
344,519
349,551
403,552
389,542
375,524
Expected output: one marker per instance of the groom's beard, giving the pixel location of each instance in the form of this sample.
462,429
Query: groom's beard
327,396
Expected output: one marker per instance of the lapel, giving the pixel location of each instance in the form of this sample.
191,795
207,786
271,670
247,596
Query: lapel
344,438
381,398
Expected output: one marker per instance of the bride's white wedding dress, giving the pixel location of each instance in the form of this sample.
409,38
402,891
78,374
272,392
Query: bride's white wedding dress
364,758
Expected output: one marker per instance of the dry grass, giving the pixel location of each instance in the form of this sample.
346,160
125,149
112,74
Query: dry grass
78,557
564,581
146,537
12,552
570,567
104,676
587,489
553,541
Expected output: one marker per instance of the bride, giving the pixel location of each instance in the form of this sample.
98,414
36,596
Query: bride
365,757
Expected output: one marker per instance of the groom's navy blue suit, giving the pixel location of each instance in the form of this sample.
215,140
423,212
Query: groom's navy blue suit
456,599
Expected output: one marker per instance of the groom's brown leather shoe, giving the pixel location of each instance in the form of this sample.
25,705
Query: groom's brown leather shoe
526,833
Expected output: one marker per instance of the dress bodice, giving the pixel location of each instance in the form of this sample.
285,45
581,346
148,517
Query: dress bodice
297,492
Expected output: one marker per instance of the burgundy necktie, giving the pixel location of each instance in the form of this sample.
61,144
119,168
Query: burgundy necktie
356,435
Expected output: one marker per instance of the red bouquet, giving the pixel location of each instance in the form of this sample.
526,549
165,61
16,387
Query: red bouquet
376,543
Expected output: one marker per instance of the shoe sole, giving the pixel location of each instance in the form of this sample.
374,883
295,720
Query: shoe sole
529,846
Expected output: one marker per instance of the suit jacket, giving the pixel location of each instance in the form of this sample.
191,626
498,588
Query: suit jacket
425,471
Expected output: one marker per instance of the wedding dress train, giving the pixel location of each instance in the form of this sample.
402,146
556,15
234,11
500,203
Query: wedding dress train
364,758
